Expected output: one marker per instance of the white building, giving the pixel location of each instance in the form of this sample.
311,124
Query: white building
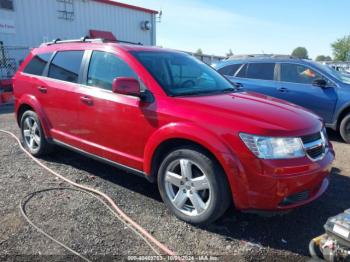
27,23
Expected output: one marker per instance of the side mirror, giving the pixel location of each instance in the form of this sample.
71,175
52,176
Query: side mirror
126,86
320,82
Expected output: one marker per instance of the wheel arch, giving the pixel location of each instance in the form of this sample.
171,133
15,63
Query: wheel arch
345,111
31,103
21,110
171,144
176,135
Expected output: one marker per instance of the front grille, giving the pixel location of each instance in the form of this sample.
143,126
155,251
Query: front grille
314,145
316,152
311,138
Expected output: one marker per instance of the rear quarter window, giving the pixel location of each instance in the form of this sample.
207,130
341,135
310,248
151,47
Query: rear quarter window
37,64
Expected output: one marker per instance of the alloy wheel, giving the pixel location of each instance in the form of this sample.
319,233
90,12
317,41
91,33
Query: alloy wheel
187,187
31,133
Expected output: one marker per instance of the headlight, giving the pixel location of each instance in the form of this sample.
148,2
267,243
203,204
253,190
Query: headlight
274,147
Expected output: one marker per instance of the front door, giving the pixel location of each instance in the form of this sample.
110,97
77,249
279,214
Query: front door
296,86
112,125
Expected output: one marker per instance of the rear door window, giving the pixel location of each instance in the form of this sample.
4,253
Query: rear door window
242,72
66,66
104,67
262,71
300,74
229,70
37,65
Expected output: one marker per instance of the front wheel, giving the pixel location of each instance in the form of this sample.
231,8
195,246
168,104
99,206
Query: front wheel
193,186
345,128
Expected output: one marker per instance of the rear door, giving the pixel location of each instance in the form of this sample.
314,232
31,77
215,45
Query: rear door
296,86
59,95
32,79
258,77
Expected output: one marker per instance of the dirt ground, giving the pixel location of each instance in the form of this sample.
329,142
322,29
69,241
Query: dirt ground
85,225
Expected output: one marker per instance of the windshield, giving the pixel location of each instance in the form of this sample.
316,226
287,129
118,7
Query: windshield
180,74
343,77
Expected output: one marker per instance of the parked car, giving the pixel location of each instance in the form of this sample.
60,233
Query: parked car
6,95
312,85
340,69
172,119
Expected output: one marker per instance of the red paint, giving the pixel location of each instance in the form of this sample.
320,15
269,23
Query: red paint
107,35
127,130
126,86
111,2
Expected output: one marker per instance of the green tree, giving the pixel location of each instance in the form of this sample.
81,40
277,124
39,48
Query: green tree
230,53
341,49
300,52
322,58
199,52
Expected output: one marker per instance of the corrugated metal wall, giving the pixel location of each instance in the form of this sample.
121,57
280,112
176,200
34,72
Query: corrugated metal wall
37,21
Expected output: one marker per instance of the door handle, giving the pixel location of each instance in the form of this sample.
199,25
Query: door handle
283,89
87,100
42,89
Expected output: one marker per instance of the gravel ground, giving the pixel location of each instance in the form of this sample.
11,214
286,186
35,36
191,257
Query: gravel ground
84,224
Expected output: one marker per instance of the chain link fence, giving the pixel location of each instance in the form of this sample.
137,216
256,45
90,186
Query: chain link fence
10,59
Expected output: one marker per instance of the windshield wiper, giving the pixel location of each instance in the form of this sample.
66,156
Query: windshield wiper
229,90
200,92
197,92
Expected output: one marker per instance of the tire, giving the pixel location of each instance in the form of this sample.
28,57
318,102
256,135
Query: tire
33,136
345,128
205,180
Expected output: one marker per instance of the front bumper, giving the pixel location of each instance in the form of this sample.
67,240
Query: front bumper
272,185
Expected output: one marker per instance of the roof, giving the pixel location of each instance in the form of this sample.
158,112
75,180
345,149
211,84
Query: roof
85,41
133,7
260,58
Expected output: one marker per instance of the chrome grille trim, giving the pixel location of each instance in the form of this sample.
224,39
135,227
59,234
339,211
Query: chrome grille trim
311,146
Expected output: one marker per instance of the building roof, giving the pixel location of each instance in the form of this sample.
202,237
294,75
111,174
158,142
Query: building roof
138,8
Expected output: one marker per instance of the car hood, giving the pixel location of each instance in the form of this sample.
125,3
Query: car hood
251,112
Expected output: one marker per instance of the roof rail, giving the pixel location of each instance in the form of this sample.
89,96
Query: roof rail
128,42
261,56
87,39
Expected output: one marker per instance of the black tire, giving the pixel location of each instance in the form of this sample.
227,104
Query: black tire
345,128
43,147
220,194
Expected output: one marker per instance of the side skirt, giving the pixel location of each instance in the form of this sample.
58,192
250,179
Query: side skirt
104,160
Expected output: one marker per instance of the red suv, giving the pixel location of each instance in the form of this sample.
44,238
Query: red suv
166,116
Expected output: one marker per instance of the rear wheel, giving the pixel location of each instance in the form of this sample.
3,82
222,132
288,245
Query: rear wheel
33,135
193,186
345,128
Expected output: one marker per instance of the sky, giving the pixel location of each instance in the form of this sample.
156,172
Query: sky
251,26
